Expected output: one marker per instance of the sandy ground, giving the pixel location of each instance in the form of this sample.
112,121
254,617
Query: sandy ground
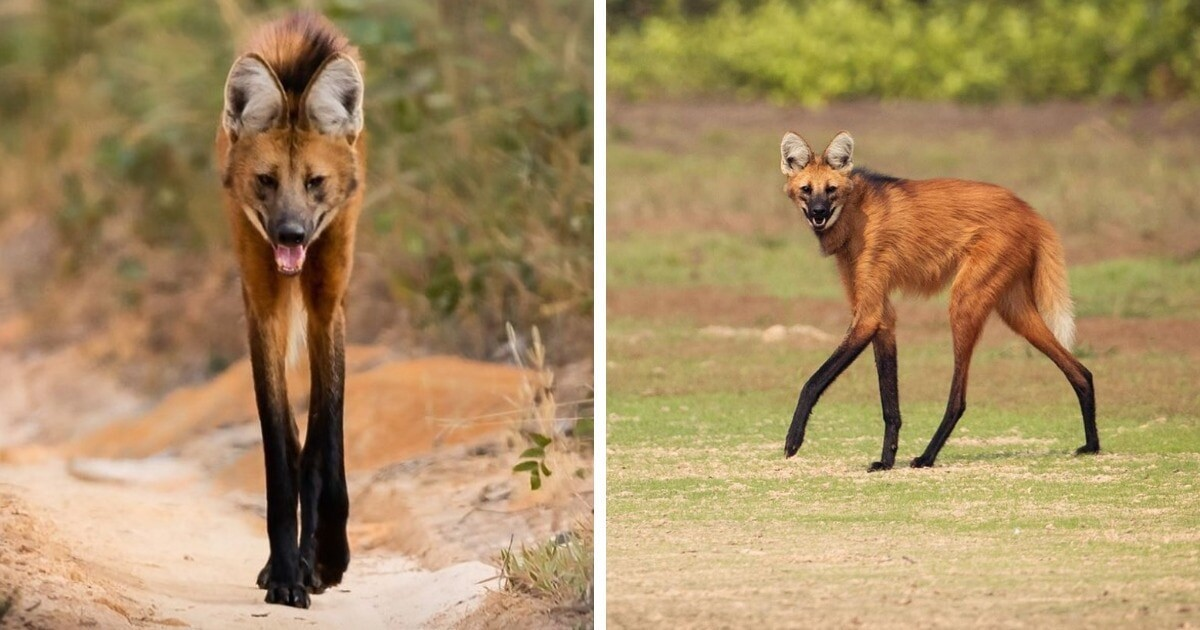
136,555
117,511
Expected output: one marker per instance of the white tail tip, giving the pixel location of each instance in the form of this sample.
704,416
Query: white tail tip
1062,324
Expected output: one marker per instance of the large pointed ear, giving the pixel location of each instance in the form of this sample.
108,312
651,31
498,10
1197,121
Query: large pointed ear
253,97
333,100
840,152
795,154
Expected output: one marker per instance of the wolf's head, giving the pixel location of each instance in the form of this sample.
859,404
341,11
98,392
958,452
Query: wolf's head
818,185
292,165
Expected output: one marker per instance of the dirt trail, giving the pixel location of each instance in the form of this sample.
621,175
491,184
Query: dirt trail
182,556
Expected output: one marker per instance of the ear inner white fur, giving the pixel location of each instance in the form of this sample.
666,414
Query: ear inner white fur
333,101
840,151
253,97
795,154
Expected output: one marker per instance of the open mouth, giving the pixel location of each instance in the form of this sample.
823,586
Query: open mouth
289,259
819,224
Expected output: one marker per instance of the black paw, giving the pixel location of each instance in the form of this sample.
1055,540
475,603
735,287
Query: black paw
1088,449
878,466
294,595
922,462
794,440
333,555
312,579
264,576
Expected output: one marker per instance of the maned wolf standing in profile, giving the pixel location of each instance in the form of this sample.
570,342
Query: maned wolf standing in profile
291,155
917,235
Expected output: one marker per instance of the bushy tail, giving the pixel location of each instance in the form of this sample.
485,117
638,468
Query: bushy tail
1051,292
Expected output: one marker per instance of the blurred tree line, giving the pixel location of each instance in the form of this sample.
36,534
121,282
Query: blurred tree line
479,199
807,51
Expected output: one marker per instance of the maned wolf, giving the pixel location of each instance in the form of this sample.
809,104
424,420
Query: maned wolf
916,235
291,155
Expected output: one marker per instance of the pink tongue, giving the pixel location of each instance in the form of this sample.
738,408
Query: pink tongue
289,258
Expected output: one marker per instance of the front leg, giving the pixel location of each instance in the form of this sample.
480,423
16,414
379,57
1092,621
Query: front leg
281,453
889,395
324,503
856,340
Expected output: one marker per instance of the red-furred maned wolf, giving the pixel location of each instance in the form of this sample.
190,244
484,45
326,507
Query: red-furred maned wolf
916,235
291,154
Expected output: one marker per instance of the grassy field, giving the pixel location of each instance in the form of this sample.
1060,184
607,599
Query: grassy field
709,526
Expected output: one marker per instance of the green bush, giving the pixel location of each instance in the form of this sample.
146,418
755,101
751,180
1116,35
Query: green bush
797,51
479,115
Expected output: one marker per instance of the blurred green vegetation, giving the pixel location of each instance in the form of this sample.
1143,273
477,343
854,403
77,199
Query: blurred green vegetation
479,115
803,51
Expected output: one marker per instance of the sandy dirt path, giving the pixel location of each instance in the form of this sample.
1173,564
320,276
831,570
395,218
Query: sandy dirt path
174,553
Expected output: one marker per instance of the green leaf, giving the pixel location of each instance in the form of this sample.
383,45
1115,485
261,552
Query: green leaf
524,466
536,452
545,471
540,439
535,481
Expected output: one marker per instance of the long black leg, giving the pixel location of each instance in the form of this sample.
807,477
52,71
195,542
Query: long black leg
966,323
845,354
1023,318
889,395
281,452
324,503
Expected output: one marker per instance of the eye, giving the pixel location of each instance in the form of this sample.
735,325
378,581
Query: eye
266,180
806,189
314,182
830,189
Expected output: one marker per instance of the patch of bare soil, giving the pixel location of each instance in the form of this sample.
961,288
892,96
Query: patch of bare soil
501,610
917,320
158,517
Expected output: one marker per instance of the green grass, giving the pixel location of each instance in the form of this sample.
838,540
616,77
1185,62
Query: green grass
783,267
695,458
1151,287
559,570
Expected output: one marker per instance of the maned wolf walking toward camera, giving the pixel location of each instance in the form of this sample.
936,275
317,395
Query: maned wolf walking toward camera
918,235
290,151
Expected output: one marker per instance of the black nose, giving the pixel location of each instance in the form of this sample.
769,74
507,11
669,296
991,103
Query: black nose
290,233
819,212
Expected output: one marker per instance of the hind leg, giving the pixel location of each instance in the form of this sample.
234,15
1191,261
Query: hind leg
1018,311
966,326
974,294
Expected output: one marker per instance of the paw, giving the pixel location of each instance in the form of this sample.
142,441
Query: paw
333,556
293,595
1088,449
792,445
878,466
922,462
264,576
311,579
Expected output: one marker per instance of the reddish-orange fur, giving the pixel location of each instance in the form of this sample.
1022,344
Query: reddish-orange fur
890,234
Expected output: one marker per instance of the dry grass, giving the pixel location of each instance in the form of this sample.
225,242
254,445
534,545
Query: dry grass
554,578
558,571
